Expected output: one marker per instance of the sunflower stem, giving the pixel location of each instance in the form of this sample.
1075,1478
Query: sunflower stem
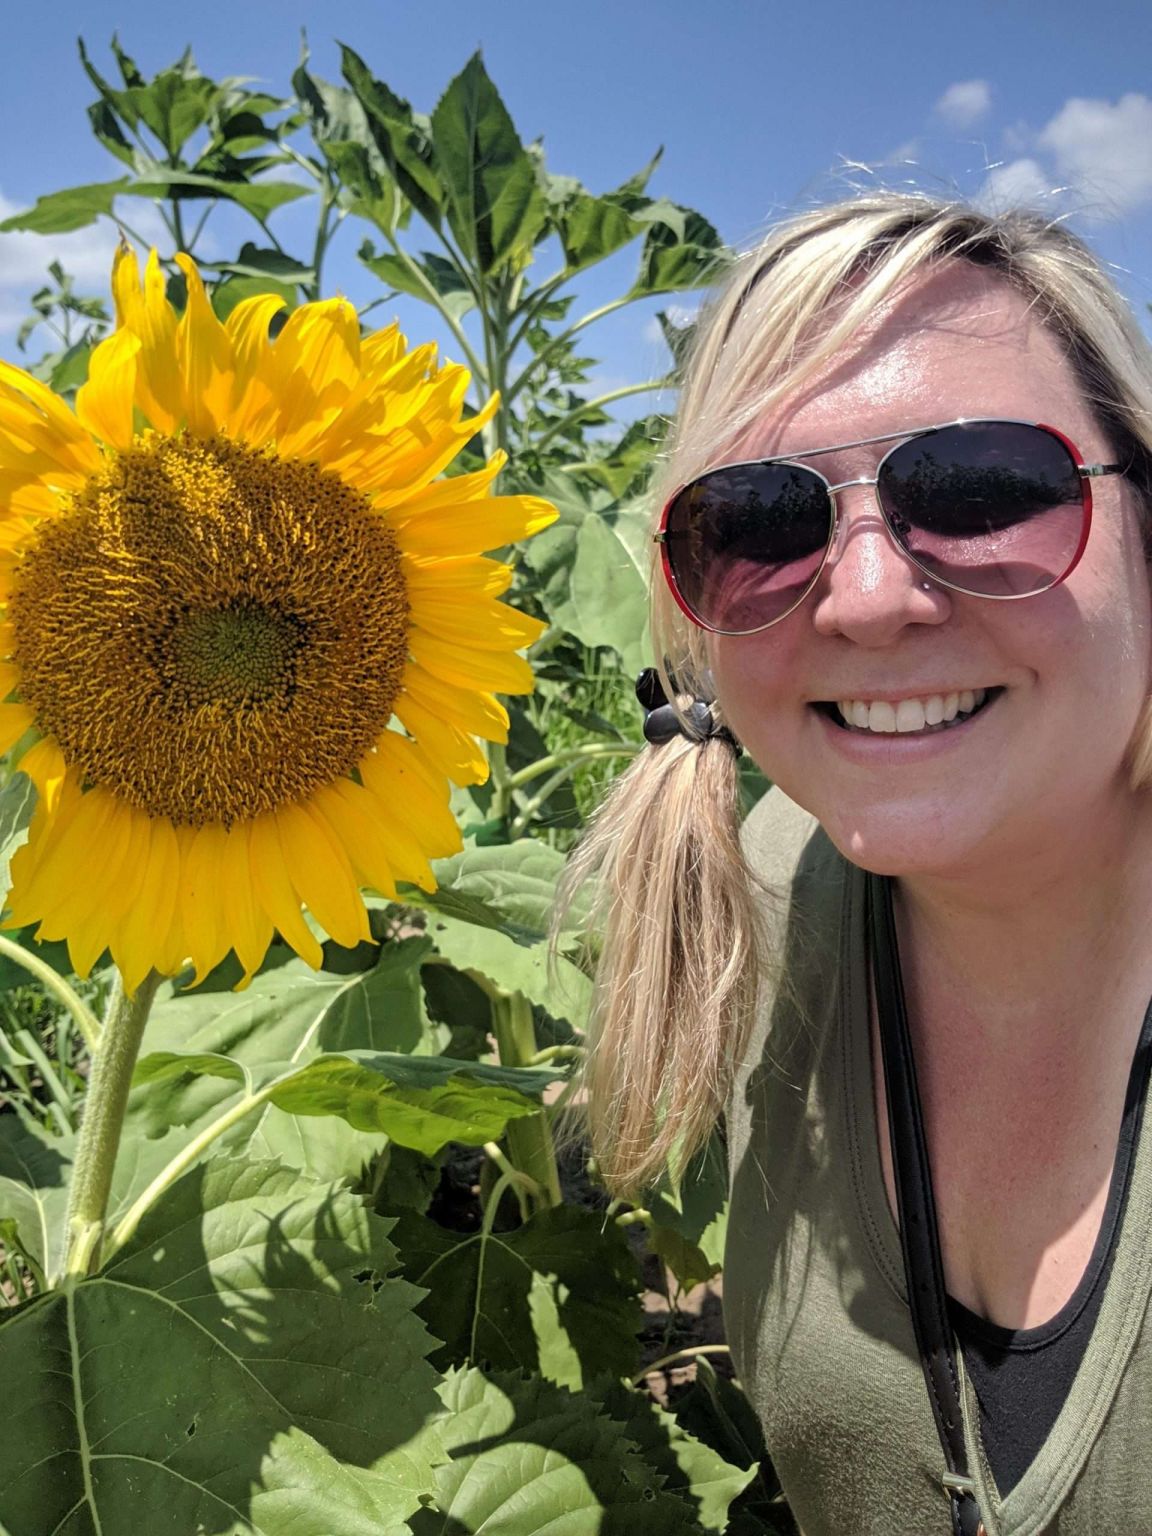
102,1123
529,1139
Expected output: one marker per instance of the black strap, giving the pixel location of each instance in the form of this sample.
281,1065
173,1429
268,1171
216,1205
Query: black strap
916,1205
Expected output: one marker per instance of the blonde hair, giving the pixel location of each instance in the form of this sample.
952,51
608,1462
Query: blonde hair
682,954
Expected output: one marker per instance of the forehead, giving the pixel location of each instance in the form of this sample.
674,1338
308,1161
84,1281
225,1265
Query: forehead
957,342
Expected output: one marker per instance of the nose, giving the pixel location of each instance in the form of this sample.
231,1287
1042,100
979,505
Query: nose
869,590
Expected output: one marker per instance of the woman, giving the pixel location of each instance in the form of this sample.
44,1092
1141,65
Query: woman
901,422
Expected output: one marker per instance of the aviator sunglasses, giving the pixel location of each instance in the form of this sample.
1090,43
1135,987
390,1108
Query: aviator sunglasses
994,508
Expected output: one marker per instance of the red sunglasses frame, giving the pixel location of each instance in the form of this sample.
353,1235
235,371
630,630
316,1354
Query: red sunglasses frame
1087,473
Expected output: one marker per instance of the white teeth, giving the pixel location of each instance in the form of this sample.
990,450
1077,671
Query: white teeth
908,716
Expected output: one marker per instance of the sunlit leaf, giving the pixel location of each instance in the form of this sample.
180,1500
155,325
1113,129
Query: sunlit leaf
495,205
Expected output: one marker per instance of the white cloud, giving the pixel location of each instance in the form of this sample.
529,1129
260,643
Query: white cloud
964,103
85,253
1019,183
1104,149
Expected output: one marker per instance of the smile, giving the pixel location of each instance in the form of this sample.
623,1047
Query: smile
920,716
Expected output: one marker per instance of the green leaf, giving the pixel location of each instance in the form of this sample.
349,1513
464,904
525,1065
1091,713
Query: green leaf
233,290
290,1014
681,251
690,1469
421,277
592,228
690,1217
223,1372
259,198
17,802
401,136
529,1456
173,105
558,1295
422,1102
514,885
74,208
34,1169
605,563
255,261
507,966
495,205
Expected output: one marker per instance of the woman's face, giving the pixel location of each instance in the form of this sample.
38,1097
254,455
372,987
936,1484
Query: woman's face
1046,754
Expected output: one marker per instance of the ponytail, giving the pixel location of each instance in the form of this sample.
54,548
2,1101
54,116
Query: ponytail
676,974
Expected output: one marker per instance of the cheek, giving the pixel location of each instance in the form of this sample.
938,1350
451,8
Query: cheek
755,684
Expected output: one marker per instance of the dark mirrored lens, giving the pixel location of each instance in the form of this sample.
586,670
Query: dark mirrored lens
745,543
995,508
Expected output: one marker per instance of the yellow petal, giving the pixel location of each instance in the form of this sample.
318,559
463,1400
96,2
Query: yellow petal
397,774
480,622
143,309
201,881
133,943
323,877
105,403
486,671
204,353
44,764
14,721
473,526
348,810
453,751
452,492
459,574
249,926
275,894
480,714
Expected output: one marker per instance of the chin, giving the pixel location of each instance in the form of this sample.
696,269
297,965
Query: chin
904,840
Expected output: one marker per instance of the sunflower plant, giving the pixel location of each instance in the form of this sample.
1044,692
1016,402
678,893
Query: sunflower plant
288,1242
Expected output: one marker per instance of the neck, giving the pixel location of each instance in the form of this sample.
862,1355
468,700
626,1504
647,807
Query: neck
1038,944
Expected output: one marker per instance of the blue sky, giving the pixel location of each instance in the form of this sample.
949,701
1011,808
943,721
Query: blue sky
762,108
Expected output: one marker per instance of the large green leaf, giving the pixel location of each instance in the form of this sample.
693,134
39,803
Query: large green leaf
690,1468
74,208
510,886
495,205
595,564
402,138
559,1295
243,1366
509,966
34,1169
422,1102
289,1015
527,1456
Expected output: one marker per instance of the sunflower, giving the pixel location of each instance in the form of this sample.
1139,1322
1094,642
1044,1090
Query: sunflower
247,637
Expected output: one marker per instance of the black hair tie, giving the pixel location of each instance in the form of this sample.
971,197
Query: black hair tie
663,722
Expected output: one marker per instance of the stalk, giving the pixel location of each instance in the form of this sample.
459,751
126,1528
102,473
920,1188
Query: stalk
529,1139
102,1123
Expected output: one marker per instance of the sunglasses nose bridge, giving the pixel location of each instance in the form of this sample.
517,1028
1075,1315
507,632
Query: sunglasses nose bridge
839,521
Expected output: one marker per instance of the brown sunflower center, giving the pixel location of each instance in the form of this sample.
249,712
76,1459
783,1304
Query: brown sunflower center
210,631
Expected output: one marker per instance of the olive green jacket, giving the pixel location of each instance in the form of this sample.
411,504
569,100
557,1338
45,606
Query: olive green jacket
813,1279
